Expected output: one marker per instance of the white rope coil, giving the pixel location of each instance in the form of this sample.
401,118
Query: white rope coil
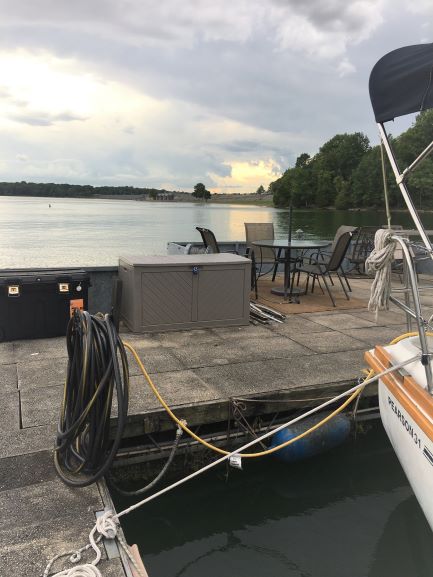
379,262
87,570
106,527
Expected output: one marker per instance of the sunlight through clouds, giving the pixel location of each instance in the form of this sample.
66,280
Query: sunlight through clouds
246,176
177,92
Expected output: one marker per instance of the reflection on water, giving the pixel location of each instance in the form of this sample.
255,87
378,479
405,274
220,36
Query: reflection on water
38,232
349,512
405,543
324,223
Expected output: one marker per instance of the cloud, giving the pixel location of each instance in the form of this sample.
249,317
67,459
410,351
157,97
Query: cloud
316,26
345,67
424,7
177,92
44,118
4,92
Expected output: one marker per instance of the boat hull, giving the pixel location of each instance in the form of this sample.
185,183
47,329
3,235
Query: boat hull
406,410
412,446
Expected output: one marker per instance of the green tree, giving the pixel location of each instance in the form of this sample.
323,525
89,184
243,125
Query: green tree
325,189
281,190
261,190
407,147
342,199
367,182
302,186
342,154
200,191
302,160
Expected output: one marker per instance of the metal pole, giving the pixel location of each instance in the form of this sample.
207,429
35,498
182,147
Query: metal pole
421,157
403,189
425,359
385,187
288,257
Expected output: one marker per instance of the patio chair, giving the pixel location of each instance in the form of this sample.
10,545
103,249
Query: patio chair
362,246
210,242
211,246
320,269
266,259
325,255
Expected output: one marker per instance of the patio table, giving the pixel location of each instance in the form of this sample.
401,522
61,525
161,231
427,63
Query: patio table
288,290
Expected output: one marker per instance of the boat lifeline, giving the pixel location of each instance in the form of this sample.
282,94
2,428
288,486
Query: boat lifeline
400,84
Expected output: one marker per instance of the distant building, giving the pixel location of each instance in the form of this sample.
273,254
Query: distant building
165,196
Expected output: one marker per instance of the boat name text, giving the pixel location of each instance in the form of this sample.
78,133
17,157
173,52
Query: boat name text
404,422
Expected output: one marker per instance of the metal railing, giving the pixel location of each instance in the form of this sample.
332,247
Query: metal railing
412,307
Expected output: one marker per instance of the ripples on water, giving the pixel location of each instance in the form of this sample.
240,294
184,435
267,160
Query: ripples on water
77,232
349,512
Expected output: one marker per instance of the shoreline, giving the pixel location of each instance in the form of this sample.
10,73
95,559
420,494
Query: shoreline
265,200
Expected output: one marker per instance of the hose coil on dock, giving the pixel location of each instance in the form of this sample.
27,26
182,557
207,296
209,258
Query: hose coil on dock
97,372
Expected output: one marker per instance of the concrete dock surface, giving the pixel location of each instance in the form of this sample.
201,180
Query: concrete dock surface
41,517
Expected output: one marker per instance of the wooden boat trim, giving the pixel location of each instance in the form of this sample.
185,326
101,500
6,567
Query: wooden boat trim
413,398
133,549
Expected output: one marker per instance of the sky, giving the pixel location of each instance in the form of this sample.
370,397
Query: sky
169,93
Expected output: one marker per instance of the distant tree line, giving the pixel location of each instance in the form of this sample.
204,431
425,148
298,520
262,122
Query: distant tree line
75,190
347,172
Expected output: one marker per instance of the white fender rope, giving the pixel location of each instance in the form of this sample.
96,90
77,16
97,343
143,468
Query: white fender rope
379,262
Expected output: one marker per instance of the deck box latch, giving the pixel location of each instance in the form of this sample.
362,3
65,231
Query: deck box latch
13,290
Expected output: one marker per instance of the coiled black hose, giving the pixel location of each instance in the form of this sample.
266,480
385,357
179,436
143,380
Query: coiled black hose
84,450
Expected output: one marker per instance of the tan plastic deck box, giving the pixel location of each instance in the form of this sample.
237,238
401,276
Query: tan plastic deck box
176,292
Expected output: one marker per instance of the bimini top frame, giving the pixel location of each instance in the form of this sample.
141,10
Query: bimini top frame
402,83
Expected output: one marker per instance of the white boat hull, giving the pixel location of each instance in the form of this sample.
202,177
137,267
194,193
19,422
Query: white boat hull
412,446
406,409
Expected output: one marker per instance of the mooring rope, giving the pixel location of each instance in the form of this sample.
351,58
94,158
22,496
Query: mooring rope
106,527
379,262
106,524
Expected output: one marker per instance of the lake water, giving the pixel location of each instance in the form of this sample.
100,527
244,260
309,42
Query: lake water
55,232
347,513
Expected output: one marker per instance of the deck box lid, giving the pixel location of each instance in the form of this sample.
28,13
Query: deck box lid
182,259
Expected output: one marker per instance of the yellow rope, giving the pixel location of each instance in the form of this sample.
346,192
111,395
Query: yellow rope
407,335
183,426
222,451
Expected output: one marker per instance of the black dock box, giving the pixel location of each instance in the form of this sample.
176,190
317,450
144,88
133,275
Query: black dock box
37,304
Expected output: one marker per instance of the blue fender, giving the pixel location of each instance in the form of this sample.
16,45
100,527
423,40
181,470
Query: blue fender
326,437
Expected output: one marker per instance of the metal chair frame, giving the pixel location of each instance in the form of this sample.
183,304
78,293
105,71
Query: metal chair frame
209,240
362,247
324,256
268,256
319,269
211,245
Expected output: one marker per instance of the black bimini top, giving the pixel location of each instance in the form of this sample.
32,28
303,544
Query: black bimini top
402,82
